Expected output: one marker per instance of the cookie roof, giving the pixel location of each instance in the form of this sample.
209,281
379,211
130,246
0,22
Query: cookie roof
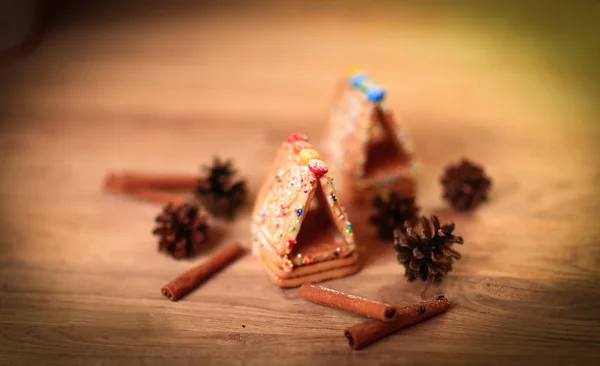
358,107
296,176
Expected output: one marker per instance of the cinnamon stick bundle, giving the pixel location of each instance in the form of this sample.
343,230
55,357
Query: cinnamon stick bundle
371,330
191,279
354,304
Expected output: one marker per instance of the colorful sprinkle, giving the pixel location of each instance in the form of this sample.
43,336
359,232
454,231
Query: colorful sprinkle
296,137
287,264
333,197
349,228
307,155
299,212
289,245
293,228
318,167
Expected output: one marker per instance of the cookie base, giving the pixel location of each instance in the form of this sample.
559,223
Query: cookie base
275,266
314,277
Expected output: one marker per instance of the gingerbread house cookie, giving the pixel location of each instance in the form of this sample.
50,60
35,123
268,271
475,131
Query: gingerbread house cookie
369,149
300,231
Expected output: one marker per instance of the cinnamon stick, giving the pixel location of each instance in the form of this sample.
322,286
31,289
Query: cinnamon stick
371,330
354,304
152,195
114,183
160,181
191,279
117,183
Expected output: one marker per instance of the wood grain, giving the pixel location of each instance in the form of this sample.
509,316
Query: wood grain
151,88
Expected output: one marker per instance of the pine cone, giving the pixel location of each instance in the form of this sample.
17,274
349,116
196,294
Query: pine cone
182,229
396,211
218,193
465,185
428,255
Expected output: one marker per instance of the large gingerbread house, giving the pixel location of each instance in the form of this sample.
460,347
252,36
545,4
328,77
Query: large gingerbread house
300,231
369,149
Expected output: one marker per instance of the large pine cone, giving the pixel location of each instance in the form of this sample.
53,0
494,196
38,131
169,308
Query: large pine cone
428,255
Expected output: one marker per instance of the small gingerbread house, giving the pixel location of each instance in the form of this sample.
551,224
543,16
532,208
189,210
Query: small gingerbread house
300,231
369,149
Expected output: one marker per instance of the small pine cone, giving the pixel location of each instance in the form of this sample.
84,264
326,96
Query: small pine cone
182,230
218,193
396,211
465,185
428,255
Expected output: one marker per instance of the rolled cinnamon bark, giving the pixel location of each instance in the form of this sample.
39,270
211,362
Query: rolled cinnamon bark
114,183
161,181
369,331
152,195
354,304
122,184
191,279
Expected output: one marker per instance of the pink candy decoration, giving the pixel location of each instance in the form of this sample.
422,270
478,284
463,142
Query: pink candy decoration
296,137
318,167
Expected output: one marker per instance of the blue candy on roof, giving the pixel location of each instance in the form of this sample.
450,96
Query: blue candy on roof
361,81
376,93
357,79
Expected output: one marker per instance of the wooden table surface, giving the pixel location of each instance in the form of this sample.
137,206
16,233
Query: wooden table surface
165,89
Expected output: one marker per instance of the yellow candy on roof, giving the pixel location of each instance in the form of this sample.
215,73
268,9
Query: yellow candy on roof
307,155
